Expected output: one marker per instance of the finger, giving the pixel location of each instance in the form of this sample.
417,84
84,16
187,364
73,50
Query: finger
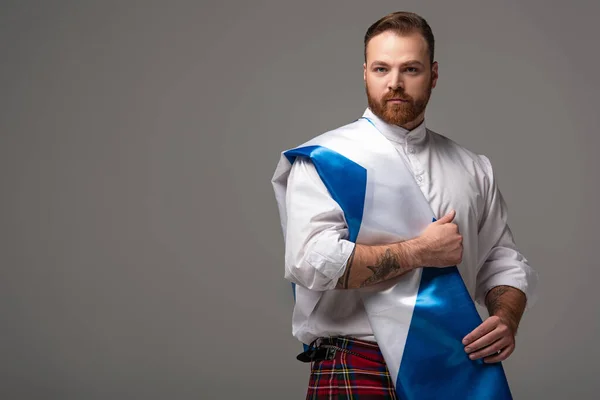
447,218
487,339
504,354
491,350
486,327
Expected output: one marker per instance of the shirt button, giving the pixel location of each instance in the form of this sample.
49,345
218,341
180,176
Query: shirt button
419,179
411,150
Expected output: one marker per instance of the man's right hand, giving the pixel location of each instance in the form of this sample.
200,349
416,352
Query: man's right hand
441,243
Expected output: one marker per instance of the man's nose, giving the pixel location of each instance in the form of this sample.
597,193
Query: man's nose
396,82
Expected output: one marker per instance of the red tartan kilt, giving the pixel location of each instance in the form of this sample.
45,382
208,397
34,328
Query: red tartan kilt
351,376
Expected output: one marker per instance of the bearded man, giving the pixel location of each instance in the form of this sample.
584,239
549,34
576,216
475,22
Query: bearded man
391,232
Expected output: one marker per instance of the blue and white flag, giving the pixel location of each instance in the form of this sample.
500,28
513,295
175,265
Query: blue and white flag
420,318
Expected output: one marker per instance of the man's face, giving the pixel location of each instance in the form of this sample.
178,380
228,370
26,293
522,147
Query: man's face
399,77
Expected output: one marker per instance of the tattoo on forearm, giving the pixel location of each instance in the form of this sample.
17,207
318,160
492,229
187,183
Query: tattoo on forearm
493,298
343,281
386,264
508,302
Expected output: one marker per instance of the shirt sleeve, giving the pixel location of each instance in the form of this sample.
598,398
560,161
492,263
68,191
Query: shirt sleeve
500,260
316,245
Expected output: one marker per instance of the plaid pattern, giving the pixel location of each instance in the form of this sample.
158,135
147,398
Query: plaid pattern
347,376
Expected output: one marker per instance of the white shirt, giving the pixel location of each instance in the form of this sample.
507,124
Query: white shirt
450,177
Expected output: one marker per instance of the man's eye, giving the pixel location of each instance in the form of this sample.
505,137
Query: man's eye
412,70
380,69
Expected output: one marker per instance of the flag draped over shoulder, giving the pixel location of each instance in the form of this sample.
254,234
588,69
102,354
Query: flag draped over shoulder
419,318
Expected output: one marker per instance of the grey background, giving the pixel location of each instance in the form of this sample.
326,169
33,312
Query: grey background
140,248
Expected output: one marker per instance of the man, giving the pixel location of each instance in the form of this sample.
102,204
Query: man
334,274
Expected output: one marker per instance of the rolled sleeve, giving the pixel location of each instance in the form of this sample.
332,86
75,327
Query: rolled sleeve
501,262
316,248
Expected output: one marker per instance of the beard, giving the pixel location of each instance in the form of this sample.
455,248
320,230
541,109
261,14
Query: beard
399,113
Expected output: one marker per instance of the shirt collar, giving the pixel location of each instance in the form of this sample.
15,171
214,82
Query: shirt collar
396,133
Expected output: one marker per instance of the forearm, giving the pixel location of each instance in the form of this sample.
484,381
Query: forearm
369,265
508,303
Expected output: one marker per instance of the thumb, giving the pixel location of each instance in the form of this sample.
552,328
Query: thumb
447,218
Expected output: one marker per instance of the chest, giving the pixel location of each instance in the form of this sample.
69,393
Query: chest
448,181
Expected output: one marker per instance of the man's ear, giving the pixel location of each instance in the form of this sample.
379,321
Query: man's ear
434,74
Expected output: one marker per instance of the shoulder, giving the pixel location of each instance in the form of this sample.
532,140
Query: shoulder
332,136
461,153
477,168
299,156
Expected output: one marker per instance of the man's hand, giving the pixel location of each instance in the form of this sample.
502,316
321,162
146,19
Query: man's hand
442,243
494,339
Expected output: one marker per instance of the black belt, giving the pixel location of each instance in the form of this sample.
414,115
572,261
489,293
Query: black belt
326,350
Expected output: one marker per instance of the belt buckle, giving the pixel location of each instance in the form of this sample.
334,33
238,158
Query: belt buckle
330,354
317,354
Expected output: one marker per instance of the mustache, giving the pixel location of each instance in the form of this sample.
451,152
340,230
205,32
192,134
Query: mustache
397,94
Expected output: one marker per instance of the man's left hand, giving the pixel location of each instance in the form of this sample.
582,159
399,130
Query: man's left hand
493,340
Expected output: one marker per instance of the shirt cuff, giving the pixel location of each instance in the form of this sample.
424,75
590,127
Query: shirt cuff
331,268
521,277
